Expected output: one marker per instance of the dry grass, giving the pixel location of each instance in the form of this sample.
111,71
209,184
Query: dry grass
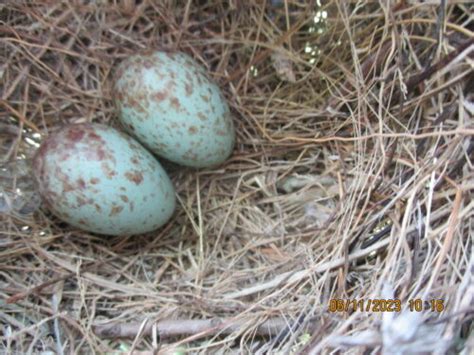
352,178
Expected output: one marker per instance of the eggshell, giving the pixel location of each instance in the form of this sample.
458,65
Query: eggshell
168,103
101,180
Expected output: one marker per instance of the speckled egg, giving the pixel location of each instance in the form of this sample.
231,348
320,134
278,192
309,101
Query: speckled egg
168,103
103,181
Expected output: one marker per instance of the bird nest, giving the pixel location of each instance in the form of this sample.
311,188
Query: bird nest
343,221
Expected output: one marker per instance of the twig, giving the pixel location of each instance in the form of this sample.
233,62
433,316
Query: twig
416,79
181,327
21,117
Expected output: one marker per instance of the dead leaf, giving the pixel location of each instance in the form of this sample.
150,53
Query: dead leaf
283,67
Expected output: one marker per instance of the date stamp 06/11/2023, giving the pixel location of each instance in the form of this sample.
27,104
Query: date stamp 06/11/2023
384,305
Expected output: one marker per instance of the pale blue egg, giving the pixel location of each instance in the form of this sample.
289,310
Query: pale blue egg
101,180
167,102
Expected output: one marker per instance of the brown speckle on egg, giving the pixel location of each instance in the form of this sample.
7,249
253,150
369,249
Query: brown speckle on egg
75,134
134,176
81,201
175,103
81,183
136,105
188,88
148,64
205,98
107,170
115,210
160,95
67,187
202,116
189,77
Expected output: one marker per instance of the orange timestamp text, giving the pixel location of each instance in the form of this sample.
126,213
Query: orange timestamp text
384,305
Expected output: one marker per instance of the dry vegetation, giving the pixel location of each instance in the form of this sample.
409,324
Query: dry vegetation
352,178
